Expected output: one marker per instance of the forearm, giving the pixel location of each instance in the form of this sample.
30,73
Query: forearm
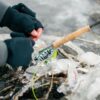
3,8
3,53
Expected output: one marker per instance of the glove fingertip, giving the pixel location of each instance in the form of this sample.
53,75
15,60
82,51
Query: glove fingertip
38,25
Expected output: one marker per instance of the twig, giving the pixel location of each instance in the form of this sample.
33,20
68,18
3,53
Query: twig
7,88
34,79
34,93
51,85
12,80
44,84
69,56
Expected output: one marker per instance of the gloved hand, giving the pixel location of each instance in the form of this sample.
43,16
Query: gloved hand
19,18
24,9
19,51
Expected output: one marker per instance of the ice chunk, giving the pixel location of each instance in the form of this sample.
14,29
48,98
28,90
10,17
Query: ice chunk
89,58
62,65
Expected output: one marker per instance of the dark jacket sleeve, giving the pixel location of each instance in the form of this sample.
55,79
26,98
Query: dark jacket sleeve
3,7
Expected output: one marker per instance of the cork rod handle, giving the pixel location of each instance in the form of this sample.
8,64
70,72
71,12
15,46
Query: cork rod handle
71,36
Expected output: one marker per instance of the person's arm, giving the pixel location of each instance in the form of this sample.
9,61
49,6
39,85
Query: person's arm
22,8
21,21
3,53
20,51
3,9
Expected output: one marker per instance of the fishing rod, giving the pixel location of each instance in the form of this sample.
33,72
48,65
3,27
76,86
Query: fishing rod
47,52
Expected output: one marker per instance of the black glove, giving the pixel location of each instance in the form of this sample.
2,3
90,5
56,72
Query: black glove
24,9
19,51
19,21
